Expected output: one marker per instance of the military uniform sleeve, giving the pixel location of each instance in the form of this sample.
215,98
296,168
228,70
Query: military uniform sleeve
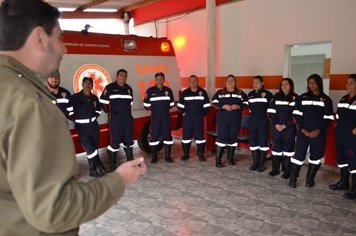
97,106
69,106
171,101
215,100
244,99
146,100
105,99
328,114
271,111
41,170
298,113
181,103
207,104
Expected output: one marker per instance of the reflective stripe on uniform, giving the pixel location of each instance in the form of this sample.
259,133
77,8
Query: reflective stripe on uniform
162,98
296,112
220,144
104,101
112,149
313,103
270,110
254,100
295,161
315,162
62,100
200,141
192,98
85,121
90,156
277,153
186,141
168,142
120,96
254,148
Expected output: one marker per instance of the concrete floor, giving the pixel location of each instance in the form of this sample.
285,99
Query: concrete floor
195,198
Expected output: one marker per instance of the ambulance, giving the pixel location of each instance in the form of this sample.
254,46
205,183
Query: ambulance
99,56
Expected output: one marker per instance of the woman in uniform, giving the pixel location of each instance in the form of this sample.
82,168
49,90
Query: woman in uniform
258,125
229,101
313,113
283,127
345,139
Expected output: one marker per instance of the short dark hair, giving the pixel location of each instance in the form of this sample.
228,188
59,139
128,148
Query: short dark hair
318,81
121,70
260,78
159,74
88,79
352,76
193,76
19,17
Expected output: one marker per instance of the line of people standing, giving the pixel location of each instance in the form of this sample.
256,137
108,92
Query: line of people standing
295,123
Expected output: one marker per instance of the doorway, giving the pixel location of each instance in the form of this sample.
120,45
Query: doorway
303,60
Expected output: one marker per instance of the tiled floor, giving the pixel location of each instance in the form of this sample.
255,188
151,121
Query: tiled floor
195,198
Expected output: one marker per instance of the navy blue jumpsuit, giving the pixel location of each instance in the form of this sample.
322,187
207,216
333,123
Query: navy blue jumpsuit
86,110
258,124
344,139
160,102
117,101
194,105
312,112
63,101
228,122
280,112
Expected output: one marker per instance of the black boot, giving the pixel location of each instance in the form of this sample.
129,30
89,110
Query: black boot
112,160
312,169
92,169
219,153
186,151
286,165
129,154
167,153
261,165
343,183
230,155
201,150
294,174
255,159
352,193
154,154
96,167
275,166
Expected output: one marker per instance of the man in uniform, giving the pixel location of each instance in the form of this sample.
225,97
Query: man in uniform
86,110
194,104
61,94
117,100
159,99
39,192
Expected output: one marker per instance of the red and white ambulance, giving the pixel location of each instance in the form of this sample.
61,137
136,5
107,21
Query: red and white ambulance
101,55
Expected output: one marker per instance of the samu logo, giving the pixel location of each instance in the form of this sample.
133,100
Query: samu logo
99,75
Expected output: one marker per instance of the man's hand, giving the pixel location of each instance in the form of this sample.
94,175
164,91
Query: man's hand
314,133
227,107
354,131
305,132
235,107
131,171
280,127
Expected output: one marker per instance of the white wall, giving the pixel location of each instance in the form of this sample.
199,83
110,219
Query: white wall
252,34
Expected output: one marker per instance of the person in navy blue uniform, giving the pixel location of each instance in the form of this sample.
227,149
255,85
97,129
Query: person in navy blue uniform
283,127
313,113
194,104
86,110
345,139
159,99
230,101
258,125
61,94
117,100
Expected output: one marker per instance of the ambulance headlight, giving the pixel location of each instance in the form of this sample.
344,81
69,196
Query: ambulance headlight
130,45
